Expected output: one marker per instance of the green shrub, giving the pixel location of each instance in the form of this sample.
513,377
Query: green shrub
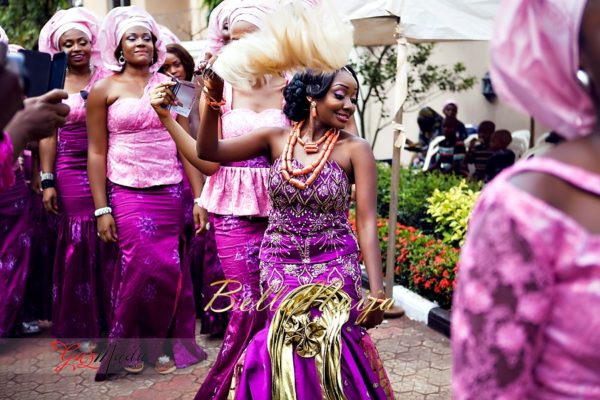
416,187
450,210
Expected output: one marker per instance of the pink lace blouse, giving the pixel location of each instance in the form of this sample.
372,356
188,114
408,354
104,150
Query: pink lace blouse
141,152
526,314
240,188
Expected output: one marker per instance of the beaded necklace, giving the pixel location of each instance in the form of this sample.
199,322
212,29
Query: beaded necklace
315,168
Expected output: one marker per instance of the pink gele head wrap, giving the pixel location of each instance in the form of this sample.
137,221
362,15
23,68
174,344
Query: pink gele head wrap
252,11
217,23
3,36
168,36
114,26
450,101
64,20
534,62
221,18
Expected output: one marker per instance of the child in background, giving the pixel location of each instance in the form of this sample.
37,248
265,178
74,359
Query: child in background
502,157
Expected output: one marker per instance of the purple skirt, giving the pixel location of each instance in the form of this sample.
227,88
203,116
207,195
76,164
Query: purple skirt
361,370
203,262
238,244
84,265
38,297
15,246
154,302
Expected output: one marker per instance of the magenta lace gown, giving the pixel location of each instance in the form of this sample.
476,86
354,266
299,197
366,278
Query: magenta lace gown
309,241
526,314
153,302
237,197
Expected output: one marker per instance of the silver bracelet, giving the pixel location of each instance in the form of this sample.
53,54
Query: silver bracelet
197,202
102,211
46,176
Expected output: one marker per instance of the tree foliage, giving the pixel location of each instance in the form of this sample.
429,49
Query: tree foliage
211,4
376,67
23,19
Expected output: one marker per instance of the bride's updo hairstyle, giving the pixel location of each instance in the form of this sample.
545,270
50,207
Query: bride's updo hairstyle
308,84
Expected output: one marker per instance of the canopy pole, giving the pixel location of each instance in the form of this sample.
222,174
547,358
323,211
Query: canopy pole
399,142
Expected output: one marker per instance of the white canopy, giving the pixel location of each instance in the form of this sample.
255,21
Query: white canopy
422,20
376,23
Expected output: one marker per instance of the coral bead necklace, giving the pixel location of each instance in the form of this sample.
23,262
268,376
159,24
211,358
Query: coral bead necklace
328,140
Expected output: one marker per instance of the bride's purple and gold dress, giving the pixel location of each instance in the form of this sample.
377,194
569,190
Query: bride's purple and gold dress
311,347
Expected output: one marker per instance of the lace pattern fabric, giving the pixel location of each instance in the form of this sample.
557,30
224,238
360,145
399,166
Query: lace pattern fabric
309,225
241,188
525,315
141,152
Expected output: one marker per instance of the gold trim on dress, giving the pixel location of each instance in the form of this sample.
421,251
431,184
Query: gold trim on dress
294,328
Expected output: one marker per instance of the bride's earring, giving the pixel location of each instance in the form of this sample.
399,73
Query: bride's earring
313,109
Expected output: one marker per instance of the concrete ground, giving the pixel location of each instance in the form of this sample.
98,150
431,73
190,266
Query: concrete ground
417,360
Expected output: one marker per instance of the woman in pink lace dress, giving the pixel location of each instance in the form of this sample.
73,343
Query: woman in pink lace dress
83,264
526,316
136,180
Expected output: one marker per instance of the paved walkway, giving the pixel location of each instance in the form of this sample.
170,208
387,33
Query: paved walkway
417,360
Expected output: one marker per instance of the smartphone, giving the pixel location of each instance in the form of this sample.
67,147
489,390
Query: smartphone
45,72
186,93
58,71
38,67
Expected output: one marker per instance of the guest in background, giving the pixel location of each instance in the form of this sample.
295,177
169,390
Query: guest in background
479,151
502,157
450,111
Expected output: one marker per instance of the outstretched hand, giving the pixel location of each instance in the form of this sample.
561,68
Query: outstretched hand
161,96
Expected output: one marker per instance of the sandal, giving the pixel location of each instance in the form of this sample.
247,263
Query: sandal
164,365
135,367
87,347
30,328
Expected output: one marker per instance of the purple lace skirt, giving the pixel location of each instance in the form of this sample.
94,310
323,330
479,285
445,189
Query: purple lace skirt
153,291
15,251
238,244
83,266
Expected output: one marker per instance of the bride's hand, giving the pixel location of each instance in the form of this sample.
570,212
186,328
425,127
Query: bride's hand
161,96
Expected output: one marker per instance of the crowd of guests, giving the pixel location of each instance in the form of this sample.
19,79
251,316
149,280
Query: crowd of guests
483,156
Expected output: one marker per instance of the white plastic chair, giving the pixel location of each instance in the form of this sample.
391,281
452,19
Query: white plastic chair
520,143
469,139
432,150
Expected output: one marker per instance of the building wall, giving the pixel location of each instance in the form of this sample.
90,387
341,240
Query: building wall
185,18
473,107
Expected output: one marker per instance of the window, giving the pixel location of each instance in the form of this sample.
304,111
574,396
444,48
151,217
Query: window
120,3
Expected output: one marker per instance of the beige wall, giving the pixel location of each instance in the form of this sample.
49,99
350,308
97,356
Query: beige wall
473,107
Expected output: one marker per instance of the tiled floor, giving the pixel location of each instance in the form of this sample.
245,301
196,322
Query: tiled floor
417,360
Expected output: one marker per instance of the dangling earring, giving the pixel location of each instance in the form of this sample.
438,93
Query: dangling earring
121,59
584,79
313,109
